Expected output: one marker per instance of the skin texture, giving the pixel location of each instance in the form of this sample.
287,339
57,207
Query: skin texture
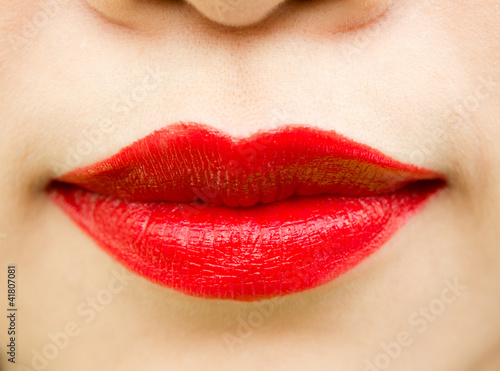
417,80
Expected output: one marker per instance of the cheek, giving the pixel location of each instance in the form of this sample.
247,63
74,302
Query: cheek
475,27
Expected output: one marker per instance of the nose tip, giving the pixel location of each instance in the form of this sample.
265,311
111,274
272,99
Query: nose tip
235,13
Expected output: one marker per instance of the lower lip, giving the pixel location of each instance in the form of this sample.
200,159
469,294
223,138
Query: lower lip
243,253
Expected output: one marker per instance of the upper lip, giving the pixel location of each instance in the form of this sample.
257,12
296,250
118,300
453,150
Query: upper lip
176,164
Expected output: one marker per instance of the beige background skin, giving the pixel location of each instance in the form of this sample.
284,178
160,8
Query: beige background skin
396,80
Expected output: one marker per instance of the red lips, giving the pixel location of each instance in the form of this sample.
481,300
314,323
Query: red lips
197,211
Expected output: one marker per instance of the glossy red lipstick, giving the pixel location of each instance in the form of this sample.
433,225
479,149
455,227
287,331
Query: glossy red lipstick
195,210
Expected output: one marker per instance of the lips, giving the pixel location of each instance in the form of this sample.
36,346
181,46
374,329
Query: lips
280,212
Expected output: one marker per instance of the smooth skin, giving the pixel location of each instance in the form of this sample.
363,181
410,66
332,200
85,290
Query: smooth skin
417,79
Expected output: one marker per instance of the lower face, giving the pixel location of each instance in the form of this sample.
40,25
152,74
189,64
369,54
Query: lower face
78,91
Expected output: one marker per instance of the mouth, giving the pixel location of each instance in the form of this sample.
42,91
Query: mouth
280,212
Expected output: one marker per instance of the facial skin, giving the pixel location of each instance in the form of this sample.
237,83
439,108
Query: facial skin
417,80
